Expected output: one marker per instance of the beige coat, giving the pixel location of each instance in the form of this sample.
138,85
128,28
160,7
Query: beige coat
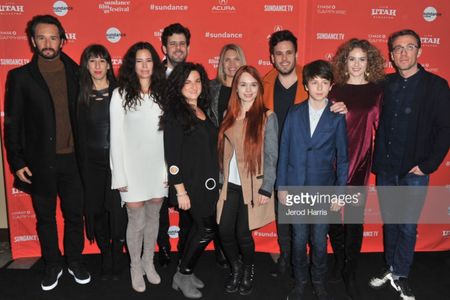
258,215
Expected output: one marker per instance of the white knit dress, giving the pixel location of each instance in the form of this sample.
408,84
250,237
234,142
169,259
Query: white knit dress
137,150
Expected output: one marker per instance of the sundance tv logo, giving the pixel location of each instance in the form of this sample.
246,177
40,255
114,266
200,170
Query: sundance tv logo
113,35
330,36
278,8
10,9
13,61
223,7
430,14
383,13
60,8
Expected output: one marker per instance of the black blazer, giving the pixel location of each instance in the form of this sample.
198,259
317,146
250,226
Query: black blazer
428,135
30,127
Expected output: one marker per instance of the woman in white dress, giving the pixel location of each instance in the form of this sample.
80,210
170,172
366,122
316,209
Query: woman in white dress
137,155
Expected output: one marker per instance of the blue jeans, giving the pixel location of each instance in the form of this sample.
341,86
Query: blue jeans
400,239
317,235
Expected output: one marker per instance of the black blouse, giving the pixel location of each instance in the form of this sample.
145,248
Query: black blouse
191,158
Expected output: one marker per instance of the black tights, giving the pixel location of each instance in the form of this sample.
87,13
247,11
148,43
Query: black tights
233,227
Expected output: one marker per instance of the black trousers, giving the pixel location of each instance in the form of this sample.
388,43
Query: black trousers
234,231
284,232
202,232
70,192
105,217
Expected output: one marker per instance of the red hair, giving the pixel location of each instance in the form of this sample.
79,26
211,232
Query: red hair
254,121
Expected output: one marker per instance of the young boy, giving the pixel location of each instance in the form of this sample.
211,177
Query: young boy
313,152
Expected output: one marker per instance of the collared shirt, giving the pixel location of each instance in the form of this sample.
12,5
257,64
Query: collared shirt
398,109
314,116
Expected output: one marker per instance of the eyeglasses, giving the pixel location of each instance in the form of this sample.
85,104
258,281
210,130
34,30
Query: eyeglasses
407,48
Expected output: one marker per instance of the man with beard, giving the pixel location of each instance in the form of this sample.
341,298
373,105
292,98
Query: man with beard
40,141
282,89
175,45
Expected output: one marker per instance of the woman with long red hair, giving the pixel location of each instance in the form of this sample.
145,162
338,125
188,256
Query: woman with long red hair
248,152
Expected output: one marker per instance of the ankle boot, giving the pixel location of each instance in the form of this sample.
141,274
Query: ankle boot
135,237
150,236
117,258
197,282
234,279
183,282
246,286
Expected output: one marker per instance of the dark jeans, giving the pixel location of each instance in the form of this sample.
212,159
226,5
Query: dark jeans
284,232
234,231
70,191
317,235
400,239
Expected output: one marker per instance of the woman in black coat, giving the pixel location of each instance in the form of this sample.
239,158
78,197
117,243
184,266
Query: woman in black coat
190,143
105,218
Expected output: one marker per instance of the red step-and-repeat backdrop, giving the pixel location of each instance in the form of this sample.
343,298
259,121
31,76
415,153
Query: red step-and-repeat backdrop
321,26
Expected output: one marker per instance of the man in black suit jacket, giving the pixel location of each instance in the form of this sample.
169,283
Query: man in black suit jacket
412,141
40,140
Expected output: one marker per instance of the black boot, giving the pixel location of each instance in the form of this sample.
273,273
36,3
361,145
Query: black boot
338,267
105,249
164,256
233,281
283,265
246,286
117,258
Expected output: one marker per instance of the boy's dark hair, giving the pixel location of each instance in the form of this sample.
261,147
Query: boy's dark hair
318,68
281,36
403,32
44,19
175,28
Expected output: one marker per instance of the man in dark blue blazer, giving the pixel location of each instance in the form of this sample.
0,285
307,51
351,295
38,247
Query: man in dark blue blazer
313,152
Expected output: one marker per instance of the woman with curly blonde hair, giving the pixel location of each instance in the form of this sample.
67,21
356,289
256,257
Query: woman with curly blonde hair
358,70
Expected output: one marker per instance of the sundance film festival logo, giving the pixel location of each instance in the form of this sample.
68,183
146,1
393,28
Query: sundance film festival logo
115,6
116,61
10,8
223,7
445,233
158,33
330,9
60,8
13,61
430,41
383,13
113,35
278,8
214,61
330,36
168,7
430,14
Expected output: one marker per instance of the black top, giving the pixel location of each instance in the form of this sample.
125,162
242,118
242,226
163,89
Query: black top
283,100
427,137
191,158
224,98
399,106
97,120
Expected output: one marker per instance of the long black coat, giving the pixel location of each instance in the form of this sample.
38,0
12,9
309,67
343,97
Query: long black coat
30,126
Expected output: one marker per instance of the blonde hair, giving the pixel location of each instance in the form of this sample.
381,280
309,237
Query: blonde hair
220,68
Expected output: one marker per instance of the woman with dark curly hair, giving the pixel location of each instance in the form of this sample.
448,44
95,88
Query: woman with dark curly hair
359,69
137,155
190,141
105,218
